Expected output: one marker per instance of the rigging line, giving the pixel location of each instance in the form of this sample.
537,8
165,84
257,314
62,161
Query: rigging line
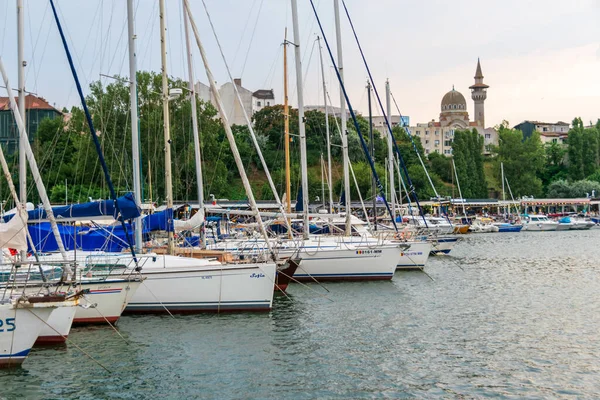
121,35
4,24
271,73
70,342
149,28
387,122
251,38
237,50
93,132
414,145
85,47
31,44
353,115
41,61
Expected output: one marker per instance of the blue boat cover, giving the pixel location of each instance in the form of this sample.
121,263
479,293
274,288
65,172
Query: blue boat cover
111,238
127,205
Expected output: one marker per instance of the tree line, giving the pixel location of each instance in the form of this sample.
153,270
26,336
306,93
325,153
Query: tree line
71,170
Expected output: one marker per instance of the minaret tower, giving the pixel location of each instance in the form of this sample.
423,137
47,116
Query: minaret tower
479,94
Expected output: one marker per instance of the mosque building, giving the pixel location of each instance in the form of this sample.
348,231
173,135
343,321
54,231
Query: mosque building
437,136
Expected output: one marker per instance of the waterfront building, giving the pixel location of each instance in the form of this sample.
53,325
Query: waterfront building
253,101
36,109
550,132
395,120
437,136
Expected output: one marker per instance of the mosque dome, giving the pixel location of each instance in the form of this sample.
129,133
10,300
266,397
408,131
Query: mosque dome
454,101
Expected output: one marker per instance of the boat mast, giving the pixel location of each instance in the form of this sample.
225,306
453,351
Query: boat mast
503,193
390,158
459,191
286,128
37,178
346,159
229,132
167,134
322,180
302,128
21,90
372,145
197,155
327,135
135,136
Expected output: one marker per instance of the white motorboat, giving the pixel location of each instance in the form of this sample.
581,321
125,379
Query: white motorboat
539,222
483,225
430,224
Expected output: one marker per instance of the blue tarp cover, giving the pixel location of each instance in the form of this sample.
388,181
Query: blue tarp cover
129,210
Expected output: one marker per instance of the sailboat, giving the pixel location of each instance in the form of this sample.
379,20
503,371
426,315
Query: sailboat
323,257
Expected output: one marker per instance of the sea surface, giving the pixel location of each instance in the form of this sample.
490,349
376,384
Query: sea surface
507,315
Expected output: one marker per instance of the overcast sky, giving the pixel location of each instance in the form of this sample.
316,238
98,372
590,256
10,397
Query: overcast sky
541,58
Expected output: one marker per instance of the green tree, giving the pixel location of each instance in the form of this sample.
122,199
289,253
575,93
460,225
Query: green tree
523,161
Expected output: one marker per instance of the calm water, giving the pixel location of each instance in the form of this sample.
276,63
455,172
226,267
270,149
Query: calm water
508,315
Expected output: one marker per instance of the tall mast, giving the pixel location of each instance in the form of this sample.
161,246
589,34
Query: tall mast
302,130
286,127
372,145
21,90
228,131
37,178
346,159
503,193
165,96
135,136
329,207
390,146
197,155
459,191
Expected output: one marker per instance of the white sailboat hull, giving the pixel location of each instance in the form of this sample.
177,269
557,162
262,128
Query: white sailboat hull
220,288
328,258
442,245
21,325
57,328
415,256
355,263
105,301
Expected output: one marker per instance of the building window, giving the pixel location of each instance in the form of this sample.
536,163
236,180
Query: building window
258,103
545,129
447,143
437,133
426,151
554,140
426,141
488,136
417,133
268,103
426,132
437,142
